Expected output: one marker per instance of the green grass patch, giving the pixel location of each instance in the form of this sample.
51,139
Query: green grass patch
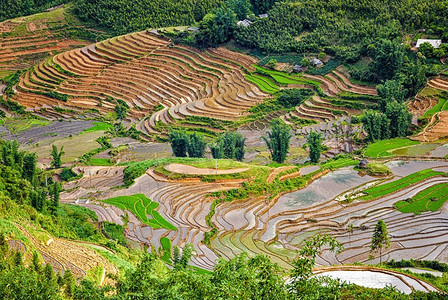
394,186
382,148
430,199
143,208
265,84
377,169
114,232
97,126
99,162
337,163
440,106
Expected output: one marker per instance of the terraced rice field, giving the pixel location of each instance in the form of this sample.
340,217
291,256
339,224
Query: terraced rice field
321,108
28,40
277,227
437,127
145,71
65,255
376,278
143,208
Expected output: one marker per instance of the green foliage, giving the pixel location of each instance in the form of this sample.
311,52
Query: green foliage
272,63
229,145
114,232
396,185
125,16
56,156
196,146
294,97
399,118
143,208
314,140
380,238
17,8
376,124
67,174
381,148
98,126
216,28
121,109
430,199
390,91
179,143
278,141
377,169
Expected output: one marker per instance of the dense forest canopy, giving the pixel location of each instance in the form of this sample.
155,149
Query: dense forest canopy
124,16
15,8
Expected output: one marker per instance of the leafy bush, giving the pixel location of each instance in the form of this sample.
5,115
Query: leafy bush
293,97
67,174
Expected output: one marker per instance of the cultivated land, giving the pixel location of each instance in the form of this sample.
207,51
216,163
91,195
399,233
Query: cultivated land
222,207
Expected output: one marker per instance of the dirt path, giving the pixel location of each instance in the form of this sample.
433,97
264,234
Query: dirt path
190,170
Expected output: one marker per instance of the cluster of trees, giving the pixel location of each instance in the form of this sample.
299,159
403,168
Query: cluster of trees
428,51
16,8
242,277
182,143
294,97
229,145
123,16
393,119
22,181
278,142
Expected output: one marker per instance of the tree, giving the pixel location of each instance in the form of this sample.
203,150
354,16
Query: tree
240,7
315,145
426,49
380,238
56,155
216,28
390,91
399,119
229,145
179,143
294,97
55,191
272,64
388,59
376,125
29,166
196,146
301,280
278,141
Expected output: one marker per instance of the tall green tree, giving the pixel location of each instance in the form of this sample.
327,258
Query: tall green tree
179,143
390,91
55,191
376,125
399,119
56,156
278,141
216,28
380,238
229,145
388,59
315,145
196,146
29,167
